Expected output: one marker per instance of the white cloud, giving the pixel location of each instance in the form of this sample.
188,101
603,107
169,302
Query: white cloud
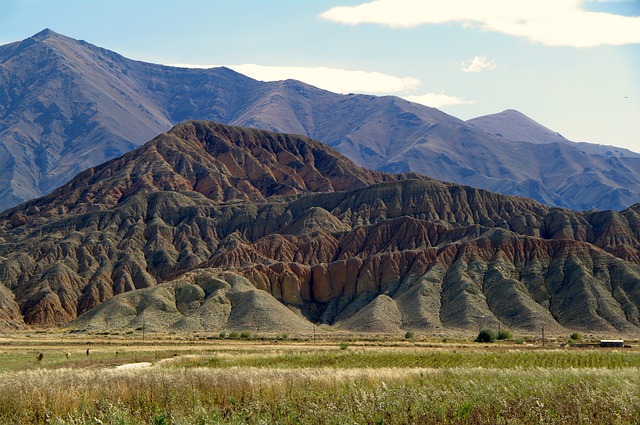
551,22
478,64
332,79
438,100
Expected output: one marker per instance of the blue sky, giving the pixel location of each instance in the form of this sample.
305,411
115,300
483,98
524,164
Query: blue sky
572,65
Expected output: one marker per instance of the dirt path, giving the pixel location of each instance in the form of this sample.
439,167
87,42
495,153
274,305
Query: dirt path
140,365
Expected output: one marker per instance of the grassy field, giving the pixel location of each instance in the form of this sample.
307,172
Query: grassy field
208,381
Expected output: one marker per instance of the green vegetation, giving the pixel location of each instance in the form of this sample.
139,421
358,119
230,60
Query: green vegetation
576,336
504,335
486,335
56,359
409,335
408,358
251,381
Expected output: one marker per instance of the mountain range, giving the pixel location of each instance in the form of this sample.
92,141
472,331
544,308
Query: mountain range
67,105
214,227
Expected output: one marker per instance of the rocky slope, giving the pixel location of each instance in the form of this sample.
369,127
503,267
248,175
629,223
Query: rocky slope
215,227
66,105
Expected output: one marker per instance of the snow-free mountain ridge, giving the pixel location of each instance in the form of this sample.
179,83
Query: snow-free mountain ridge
66,105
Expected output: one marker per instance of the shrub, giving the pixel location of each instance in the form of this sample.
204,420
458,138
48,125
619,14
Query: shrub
486,335
161,419
234,335
576,336
409,335
520,340
504,334
245,334
223,334
344,346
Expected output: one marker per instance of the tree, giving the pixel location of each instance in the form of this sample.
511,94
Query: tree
486,335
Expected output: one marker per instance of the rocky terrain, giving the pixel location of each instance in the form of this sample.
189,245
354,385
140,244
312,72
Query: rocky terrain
66,105
216,227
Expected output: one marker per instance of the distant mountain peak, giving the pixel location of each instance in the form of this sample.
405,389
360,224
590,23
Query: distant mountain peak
67,105
513,125
512,111
45,34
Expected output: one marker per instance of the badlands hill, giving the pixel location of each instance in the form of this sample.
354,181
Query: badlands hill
66,105
216,227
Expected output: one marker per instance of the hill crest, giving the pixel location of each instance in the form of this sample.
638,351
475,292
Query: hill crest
67,105
326,240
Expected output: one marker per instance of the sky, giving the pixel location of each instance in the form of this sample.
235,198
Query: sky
571,65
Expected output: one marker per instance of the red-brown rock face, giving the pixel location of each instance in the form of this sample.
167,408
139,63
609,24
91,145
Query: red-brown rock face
333,242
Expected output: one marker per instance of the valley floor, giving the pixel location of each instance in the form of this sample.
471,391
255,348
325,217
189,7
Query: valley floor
62,378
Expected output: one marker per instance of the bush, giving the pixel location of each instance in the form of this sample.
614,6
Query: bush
486,335
576,336
504,334
344,346
409,335
160,419
520,340
234,335
223,334
245,334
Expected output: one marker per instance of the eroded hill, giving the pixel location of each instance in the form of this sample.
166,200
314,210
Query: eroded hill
217,227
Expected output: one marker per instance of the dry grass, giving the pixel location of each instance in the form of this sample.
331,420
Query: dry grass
261,382
320,395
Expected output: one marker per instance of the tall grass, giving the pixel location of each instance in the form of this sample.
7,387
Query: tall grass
426,359
320,395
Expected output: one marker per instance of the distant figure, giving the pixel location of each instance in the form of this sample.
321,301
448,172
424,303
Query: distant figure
68,355
116,354
87,351
40,356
